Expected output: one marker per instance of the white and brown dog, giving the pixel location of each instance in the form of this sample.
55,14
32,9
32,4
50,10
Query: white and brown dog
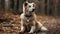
28,18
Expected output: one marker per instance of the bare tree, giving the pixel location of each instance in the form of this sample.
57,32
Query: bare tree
7,4
56,1
15,4
43,6
48,7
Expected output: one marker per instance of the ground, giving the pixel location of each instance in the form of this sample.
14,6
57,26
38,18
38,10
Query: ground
50,22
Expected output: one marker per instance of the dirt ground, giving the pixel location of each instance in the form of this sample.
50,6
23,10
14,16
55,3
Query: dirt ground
52,23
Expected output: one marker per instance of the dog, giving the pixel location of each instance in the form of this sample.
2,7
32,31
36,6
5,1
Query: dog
28,18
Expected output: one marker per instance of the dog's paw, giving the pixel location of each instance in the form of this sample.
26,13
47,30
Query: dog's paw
30,32
22,29
32,29
44,29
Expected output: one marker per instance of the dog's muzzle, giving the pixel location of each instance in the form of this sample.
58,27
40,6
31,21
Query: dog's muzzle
31,9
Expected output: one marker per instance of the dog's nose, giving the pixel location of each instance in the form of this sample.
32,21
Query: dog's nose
33,10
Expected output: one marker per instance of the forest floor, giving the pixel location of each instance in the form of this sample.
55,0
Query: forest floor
52,23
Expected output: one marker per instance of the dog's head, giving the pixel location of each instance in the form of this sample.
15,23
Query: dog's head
30,7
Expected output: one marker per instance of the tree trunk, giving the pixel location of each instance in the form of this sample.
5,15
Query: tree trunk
0,5
7,4
15,4
47,7
43,7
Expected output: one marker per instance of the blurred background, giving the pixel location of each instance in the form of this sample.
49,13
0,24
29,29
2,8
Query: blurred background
44,7
48,13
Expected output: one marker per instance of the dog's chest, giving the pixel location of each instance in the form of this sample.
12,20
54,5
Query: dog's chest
28,18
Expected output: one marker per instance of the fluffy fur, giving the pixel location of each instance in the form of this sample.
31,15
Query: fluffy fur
28,18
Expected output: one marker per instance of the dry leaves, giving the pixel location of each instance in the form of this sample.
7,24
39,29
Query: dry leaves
52,23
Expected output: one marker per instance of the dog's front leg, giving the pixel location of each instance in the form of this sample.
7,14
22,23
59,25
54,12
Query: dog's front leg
22,27
33,28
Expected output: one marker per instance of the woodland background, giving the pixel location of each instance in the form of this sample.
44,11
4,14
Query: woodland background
48,13
44,7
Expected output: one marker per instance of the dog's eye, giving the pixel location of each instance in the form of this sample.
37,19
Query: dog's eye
29,6
34,5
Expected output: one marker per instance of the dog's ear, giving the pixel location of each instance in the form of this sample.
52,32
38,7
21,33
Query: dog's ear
26,3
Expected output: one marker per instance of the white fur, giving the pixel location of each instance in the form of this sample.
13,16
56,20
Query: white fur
30,8
33,28
43,28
